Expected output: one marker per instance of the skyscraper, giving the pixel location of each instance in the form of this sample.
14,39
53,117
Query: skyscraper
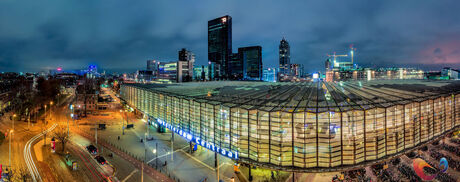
236,67
297,70
186,55
185,65
152,65
252,62
285,57
328,65
220,45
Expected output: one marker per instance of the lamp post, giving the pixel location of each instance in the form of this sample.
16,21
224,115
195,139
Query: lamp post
51,104
9,153
145,156
14,115
45,114
122,124
44,134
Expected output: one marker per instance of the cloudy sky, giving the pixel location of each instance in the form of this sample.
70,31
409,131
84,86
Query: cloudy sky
122,35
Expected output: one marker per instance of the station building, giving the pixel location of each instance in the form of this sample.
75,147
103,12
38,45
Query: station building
303,127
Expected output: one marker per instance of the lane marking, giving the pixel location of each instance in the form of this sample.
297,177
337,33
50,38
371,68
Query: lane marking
28,155
169,153
130,174
204,164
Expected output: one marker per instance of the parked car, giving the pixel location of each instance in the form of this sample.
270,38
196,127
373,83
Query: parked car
100,159
91,149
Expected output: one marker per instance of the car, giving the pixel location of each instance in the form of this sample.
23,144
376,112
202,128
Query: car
91,149
101,160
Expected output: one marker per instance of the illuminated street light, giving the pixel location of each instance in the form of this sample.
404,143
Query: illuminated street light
9,153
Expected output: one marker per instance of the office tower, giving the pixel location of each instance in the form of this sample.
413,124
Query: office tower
236,67
328,65
220,45
252,62
152,65
285,57
297,70
167,71
269,75
185,65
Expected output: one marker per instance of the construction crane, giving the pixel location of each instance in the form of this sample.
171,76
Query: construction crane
335,58
352,52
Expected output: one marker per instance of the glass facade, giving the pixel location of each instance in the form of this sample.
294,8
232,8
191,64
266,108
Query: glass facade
331,126
220,44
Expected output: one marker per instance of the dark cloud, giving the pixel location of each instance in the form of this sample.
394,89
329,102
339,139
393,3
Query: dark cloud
37,35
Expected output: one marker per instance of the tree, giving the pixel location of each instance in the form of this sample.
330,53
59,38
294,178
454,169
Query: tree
61,134
19,174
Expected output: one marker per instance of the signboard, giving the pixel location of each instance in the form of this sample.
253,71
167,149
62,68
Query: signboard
203,143
53,145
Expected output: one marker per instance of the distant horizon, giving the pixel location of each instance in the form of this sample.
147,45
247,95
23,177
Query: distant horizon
73,34
132,70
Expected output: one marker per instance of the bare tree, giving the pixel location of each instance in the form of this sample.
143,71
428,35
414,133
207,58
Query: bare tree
61,134
20,174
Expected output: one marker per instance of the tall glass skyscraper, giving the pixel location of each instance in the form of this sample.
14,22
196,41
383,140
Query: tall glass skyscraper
252,62
220,45
285,57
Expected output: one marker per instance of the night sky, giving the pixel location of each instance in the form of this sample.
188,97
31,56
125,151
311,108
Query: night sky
122,35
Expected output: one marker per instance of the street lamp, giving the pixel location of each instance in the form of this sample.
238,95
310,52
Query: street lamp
14,115
122,122
45,114
9,153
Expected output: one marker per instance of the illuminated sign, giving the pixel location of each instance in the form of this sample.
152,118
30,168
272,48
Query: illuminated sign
419,164
224,19
203,143
315,75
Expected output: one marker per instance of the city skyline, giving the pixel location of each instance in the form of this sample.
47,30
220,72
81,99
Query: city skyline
73,35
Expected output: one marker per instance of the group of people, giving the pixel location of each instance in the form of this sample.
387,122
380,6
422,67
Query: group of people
450,148
358,175
455,140
383,174
408,173
452,163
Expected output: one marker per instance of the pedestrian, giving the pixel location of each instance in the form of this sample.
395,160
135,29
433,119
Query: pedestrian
118,137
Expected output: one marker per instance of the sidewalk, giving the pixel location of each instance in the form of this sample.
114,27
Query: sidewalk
136,162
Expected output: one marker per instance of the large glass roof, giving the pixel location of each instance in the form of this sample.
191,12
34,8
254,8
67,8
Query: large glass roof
308,96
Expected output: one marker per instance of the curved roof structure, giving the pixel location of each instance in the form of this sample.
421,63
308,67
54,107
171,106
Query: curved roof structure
310,96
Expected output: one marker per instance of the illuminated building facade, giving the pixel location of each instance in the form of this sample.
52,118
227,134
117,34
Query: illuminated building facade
251,57
375,74
308,126
285,58
220,45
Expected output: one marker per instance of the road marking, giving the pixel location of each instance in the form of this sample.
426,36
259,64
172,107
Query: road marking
223,164
169,153
130,174
28,156
204,164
